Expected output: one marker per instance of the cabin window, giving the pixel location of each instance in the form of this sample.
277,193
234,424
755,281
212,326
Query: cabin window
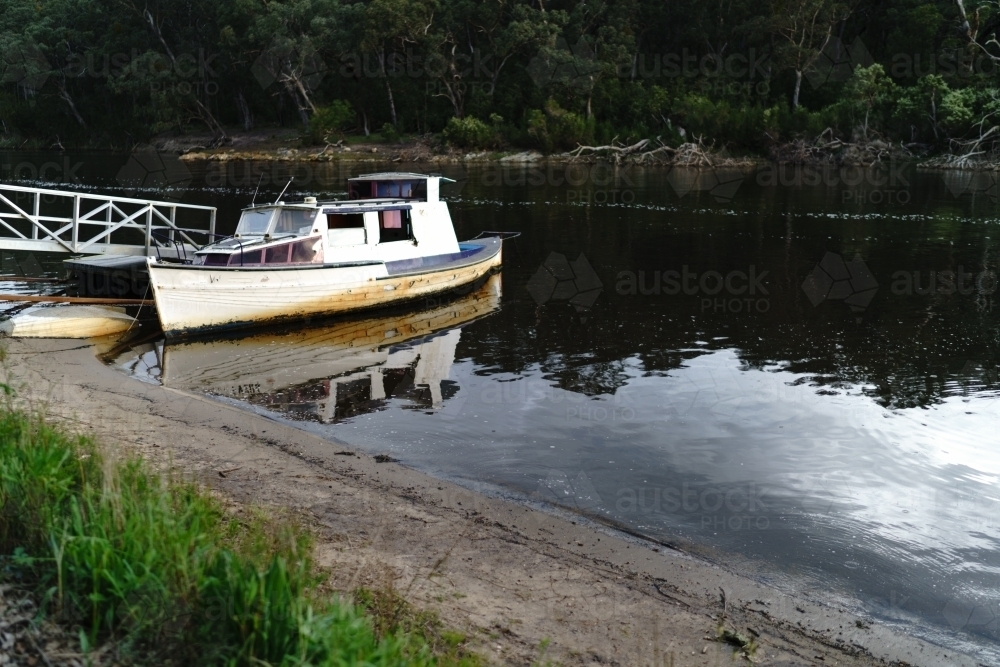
304,251
401,189
254,222
394,226
394,189
360,190
249,257
216,259
277,255
345,220
295,221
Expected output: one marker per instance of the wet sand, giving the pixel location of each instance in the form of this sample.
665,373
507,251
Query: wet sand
508,575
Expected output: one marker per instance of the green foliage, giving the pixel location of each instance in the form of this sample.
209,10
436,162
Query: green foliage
470,132
868,91
388,132
99,73
556,128
919,107
330,120
156,565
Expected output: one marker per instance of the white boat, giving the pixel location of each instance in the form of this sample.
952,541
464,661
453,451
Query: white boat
391,241
64,321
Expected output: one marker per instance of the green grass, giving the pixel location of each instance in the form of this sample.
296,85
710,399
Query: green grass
158,567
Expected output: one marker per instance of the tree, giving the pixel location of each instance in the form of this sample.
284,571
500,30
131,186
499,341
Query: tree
167,22
390,26
868,88
805,27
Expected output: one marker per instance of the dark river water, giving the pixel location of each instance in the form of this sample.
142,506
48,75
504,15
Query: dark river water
793,370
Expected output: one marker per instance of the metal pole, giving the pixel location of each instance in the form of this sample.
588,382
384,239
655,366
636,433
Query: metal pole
149,226
76,222
211,227
35,212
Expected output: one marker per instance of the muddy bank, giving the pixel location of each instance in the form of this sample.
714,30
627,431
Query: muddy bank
286,146
508,575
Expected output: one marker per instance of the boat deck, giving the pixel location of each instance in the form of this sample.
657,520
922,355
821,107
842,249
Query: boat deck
469,252
122,276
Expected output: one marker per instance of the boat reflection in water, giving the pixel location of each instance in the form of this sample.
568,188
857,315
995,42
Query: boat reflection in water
326,373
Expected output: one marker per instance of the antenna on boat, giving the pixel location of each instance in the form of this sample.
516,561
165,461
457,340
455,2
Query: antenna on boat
259,180
283,190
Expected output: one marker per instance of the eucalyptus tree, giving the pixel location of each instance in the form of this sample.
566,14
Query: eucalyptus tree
804,28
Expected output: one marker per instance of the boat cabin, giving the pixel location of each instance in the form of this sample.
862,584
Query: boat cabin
387,217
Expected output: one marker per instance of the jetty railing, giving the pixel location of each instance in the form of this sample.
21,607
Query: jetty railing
84,223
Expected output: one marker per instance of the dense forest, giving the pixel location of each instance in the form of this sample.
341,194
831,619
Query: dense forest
747,75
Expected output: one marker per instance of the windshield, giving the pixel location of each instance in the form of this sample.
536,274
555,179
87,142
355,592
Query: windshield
255,222
295,221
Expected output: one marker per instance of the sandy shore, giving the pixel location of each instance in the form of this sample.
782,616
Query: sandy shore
507,575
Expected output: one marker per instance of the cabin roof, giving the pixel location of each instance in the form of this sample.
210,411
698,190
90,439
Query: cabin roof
397,176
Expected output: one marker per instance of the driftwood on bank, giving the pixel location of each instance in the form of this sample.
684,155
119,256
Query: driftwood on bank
980,153
687,155
827,149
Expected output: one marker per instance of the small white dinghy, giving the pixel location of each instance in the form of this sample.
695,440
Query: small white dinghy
70,321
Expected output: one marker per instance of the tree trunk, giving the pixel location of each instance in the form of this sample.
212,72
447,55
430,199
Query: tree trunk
934,117
294,94
64,94
203,112
392,104
246,117
388,88
798,87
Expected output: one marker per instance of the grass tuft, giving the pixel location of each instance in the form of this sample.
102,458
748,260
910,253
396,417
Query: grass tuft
158,567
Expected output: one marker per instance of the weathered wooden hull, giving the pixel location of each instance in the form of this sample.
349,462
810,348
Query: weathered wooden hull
197,298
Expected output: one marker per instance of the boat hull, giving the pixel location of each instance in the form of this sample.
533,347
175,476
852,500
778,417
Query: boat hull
68,322
191,299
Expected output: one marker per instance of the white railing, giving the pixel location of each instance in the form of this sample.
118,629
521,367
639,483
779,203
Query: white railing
83,223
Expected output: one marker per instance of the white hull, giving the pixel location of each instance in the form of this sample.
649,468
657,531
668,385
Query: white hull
68,322
190,298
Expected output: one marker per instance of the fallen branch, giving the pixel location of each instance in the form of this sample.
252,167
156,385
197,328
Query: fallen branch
690,154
